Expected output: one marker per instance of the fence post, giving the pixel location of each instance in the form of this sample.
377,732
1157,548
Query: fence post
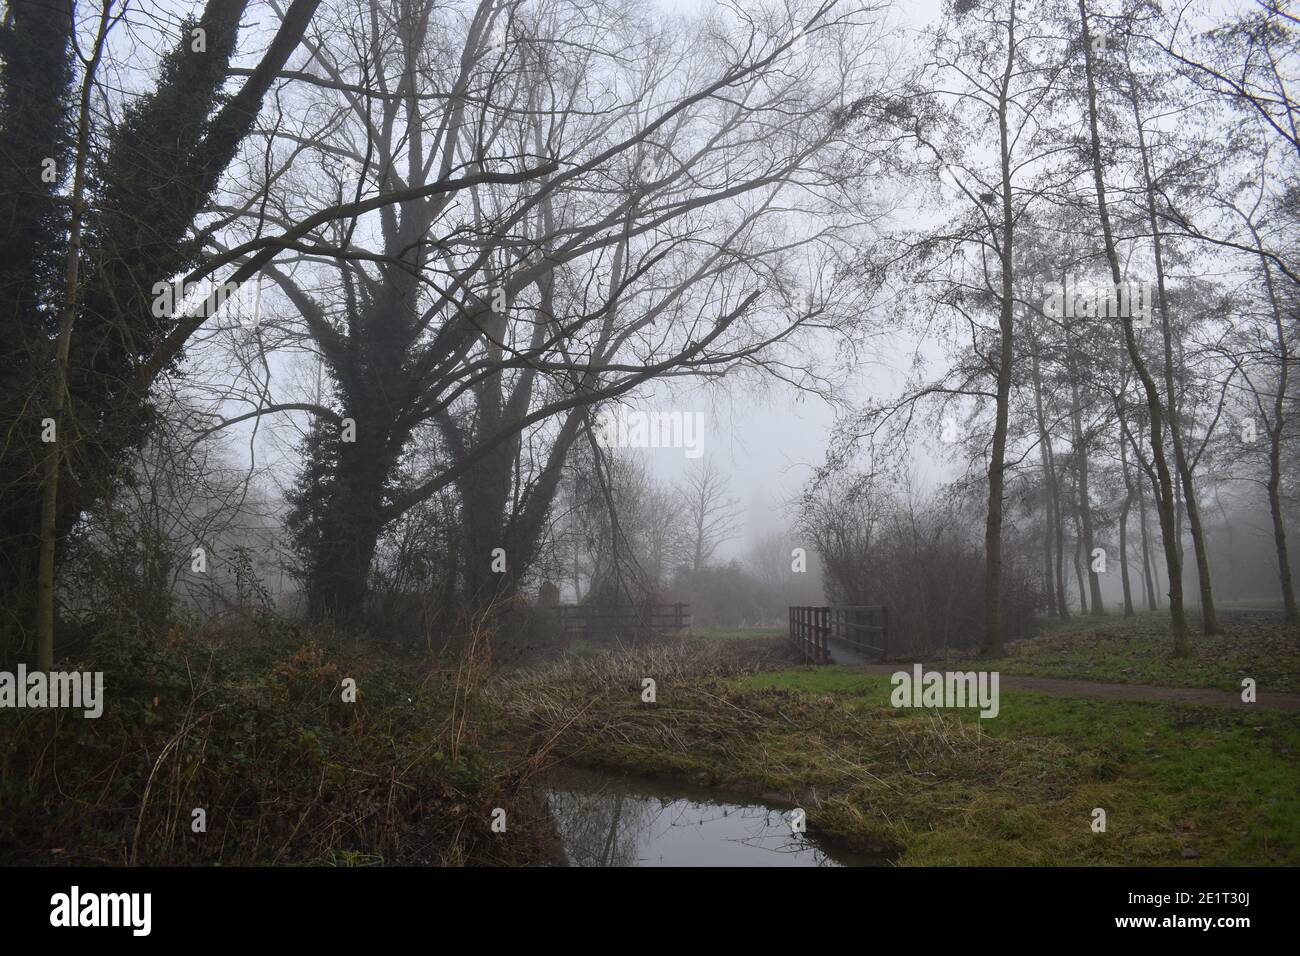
815,636
884,631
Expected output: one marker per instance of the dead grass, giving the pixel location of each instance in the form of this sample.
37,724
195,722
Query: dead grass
867,777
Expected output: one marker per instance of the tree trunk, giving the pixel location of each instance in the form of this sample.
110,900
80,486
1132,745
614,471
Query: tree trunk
1209,619
993,636
351,522
1123,530
1164,489
58,398
1078,568
1084,499
485,497
1049,588
1276,430
1148,585
1055,538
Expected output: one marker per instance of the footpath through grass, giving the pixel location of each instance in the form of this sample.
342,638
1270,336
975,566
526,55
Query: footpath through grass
1179,785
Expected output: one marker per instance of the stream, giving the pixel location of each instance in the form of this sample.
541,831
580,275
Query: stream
607,820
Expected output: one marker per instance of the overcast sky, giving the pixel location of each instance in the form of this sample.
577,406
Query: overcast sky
767,443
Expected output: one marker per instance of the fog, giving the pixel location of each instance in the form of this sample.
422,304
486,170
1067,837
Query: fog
472,394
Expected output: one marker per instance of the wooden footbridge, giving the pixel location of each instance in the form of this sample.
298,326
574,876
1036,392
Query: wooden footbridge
598,620
860,629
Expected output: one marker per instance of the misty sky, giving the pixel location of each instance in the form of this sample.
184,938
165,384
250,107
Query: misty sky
770,444
766,441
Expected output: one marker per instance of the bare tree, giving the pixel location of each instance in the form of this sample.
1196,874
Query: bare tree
712,515
1155,408
1263,352
58,399
600,237
128,222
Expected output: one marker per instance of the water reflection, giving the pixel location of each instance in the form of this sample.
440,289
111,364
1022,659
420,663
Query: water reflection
611,821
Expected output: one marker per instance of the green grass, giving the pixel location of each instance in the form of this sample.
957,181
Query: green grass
1180,785
1223,785
1137,651
822,680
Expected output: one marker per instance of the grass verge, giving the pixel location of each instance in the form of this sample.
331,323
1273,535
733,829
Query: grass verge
1137,651
1179,785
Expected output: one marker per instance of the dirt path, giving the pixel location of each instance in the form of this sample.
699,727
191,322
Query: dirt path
1138,693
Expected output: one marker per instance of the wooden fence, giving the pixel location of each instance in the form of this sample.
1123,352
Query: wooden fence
863,627
809,629
597,620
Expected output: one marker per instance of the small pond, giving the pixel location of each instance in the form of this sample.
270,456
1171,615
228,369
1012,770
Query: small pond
605,820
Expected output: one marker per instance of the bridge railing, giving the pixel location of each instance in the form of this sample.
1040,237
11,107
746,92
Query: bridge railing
863,627
603,619
810,630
